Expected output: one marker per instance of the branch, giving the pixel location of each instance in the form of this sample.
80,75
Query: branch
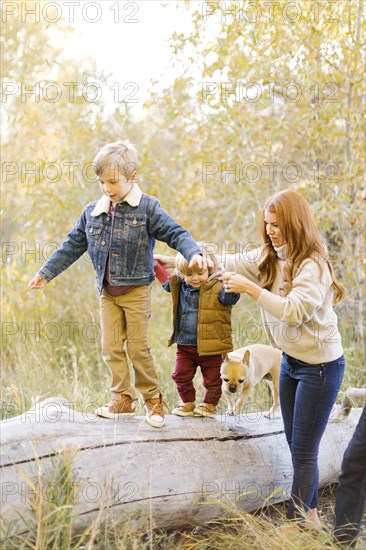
331,63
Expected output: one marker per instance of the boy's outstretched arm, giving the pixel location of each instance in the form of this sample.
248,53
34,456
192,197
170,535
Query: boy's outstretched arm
70,250
37,282
164,228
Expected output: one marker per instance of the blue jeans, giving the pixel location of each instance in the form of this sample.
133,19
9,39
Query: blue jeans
351,493
307,395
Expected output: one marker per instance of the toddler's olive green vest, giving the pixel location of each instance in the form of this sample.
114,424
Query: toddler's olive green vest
214,319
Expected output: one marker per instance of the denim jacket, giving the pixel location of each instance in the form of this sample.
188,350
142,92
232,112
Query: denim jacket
128,238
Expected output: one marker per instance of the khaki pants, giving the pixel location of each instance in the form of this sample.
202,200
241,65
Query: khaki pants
124,322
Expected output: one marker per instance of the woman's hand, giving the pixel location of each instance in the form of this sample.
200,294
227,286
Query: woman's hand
37,282
167,262
197,260
233,282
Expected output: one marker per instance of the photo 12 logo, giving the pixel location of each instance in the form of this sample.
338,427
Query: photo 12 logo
270,11
53,12
252,172
269,92
71,92
77,491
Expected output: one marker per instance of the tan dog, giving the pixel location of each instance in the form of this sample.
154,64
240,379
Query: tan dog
243,368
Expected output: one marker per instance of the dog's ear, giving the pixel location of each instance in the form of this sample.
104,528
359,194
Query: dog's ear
246,357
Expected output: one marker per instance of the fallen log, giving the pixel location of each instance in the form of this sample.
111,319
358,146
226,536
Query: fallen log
182,474
352,397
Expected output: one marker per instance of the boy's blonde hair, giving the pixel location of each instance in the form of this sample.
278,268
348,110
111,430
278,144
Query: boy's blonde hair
181,263
121,156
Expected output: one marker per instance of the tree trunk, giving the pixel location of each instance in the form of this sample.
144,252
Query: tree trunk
181,474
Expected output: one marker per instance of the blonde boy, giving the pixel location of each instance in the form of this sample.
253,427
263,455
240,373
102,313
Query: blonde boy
119,233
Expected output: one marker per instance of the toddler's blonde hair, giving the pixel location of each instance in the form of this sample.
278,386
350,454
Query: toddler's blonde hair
181,263
121,156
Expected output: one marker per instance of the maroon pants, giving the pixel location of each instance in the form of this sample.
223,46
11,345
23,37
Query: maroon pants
187,361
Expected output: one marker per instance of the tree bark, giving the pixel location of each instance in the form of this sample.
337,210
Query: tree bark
182,474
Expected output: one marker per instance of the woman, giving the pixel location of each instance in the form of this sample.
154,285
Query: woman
293,282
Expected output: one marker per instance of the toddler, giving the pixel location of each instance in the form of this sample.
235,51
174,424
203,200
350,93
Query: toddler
201,329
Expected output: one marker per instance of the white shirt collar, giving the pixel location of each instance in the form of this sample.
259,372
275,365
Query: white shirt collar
133,198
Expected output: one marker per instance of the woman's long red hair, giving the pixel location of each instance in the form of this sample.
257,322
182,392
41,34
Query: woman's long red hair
296,223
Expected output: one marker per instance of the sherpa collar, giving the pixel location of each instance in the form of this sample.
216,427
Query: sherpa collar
133,198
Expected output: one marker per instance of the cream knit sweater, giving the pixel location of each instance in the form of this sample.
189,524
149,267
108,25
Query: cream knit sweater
303,324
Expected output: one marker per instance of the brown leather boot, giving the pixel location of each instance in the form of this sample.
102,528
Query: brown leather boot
120,405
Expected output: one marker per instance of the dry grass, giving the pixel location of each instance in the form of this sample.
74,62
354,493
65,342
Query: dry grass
49,526
33,371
